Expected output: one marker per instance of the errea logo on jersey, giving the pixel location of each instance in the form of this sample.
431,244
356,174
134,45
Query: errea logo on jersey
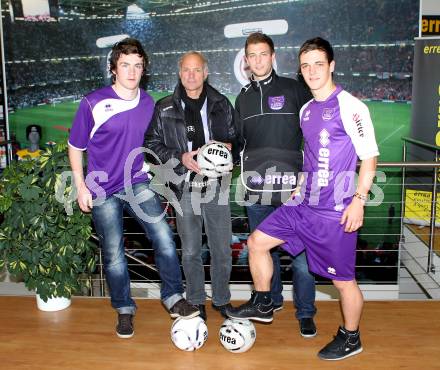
306,115
324,137
331,270
108,108
324,158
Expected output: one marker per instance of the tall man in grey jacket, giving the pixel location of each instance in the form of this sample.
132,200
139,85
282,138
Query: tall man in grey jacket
193,115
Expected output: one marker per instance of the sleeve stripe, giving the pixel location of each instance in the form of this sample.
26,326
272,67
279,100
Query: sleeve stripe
74,147
369,155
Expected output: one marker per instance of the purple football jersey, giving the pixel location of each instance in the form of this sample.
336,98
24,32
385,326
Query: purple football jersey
336,132
109,129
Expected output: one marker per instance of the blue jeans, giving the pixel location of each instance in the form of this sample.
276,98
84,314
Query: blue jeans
302,280
108,219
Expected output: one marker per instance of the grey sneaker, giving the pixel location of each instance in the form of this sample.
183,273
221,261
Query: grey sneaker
124,329
277,307
184,310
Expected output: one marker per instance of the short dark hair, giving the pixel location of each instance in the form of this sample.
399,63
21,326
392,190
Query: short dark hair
317,43
29,129
126,46
259,37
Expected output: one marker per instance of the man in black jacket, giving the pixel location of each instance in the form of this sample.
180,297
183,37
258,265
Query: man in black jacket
267,118
182,123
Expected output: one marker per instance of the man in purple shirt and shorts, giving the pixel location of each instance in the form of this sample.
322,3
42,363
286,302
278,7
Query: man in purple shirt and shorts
323,216
110,125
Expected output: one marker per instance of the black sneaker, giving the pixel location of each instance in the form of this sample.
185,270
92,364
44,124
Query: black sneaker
202,310
124,329
277,307
222,309
252,310
307,327
184,309
342,346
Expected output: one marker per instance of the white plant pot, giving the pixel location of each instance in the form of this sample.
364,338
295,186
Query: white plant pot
53,304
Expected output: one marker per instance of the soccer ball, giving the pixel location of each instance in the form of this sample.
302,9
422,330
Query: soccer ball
189,334
214,160
237,336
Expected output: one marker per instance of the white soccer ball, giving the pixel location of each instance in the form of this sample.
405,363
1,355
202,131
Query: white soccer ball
189,334
214,159
237,336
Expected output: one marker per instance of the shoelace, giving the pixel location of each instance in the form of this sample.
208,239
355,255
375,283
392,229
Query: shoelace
125,321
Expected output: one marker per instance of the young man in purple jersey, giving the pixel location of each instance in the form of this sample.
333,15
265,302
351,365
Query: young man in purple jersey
324,216
110,124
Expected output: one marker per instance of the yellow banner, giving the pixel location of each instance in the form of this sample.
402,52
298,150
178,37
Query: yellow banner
418,206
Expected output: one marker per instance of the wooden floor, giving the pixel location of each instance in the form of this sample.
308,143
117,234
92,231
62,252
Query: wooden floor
422,232
395,335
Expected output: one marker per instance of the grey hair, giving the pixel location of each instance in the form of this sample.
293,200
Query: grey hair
196,53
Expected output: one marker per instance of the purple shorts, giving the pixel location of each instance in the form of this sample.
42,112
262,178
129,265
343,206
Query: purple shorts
331,252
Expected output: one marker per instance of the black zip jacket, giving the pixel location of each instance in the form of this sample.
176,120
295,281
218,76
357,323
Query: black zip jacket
267,113
167,138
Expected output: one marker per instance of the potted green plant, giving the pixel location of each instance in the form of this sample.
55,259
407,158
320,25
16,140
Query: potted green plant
44,237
